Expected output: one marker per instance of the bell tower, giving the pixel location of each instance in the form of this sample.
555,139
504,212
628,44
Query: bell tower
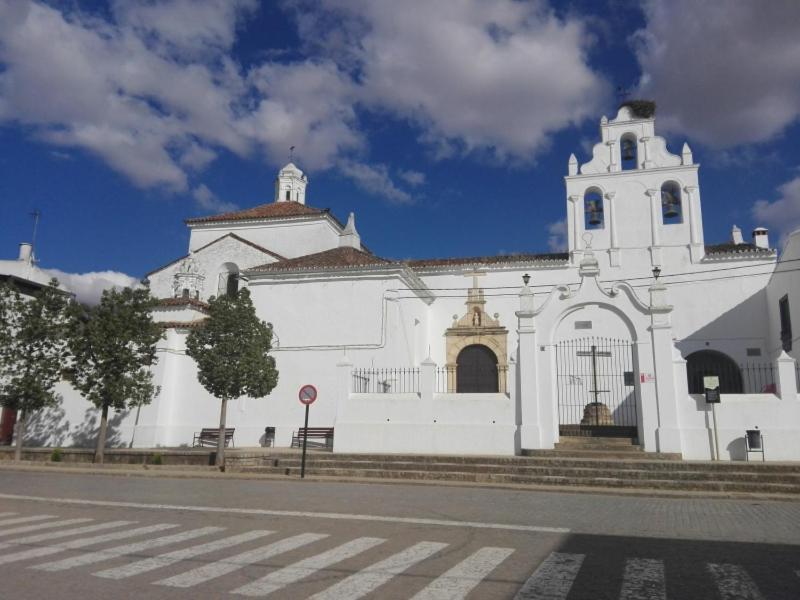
290,185
634,195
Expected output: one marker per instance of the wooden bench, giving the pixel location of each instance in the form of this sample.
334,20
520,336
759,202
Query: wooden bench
210,437
314,433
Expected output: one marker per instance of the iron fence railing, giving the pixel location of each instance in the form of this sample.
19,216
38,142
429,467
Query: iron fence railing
490,380
745,378
445,379
385,381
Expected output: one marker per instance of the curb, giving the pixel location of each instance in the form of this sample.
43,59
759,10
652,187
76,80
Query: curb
159,471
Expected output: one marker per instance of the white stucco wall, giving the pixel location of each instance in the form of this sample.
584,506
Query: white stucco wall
289,237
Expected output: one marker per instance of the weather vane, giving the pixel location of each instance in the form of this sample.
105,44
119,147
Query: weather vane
291,153
622,93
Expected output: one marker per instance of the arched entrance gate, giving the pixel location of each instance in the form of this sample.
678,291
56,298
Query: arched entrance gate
596,387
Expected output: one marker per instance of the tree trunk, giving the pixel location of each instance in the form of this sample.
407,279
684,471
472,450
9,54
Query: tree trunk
20,427
221,441
101,436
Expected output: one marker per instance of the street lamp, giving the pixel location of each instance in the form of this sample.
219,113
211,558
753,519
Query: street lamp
656,272
526,279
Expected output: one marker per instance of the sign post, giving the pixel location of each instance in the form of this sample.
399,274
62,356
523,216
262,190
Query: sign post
307,395
711,385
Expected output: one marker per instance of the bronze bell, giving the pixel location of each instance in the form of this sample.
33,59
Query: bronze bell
594,213
628,150
671,204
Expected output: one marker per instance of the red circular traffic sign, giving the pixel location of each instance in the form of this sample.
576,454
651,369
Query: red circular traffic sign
308,393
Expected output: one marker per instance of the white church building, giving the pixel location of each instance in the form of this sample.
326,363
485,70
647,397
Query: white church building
495,354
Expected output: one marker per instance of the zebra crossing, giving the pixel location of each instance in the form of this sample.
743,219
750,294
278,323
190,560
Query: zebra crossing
552,579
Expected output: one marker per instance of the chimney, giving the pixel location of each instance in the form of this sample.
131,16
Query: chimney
26,252
761,237
736,236
349,238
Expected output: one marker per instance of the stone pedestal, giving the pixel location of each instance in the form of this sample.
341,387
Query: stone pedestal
596,413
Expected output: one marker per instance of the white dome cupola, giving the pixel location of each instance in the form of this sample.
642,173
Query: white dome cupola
290,185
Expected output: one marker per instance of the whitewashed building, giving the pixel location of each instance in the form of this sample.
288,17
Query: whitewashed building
497,354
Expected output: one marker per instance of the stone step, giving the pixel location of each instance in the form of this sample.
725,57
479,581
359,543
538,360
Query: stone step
435,468
595,442
760,487
500,463
607,453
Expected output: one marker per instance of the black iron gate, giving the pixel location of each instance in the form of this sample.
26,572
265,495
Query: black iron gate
596,382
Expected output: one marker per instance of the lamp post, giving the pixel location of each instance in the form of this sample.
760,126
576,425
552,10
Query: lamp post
526,279
656,272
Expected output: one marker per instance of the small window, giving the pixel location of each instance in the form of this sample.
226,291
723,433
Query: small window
593,210
786,323
185,292
232,287
671,207
628,152
288,195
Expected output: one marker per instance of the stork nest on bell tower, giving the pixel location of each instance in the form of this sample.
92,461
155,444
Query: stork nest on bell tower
642,109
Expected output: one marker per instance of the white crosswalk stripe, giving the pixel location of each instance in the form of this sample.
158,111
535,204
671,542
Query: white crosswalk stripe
17,520
109,553
40,526
459,581
307,567
368,579
54,535
170,558
643,580
82,543
553,579
234,563
733,582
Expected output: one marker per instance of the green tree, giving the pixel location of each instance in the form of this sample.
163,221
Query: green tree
113,346
33,351
231,348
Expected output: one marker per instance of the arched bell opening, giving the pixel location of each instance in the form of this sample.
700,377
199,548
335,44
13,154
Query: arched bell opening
671,205
705,363
629,151
594,217
476,371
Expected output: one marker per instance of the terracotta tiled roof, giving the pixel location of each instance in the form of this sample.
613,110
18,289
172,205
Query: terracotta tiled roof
272,210
731,248
337,258
228,235
487,260
180,324
183,302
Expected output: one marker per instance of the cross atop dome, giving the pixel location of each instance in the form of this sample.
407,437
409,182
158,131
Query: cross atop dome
290,185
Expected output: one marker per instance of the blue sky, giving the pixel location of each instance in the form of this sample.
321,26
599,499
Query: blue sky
445,125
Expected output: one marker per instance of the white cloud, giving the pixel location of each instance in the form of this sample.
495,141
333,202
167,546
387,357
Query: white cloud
494,77
782,215
208,200
725,73
557,236
308,105
186,26
412,178
155,90
375,179
88,287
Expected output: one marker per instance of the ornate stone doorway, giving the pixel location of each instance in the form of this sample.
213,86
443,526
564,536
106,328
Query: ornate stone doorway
476,371
476,348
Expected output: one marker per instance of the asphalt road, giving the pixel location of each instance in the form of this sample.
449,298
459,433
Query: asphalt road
106,536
